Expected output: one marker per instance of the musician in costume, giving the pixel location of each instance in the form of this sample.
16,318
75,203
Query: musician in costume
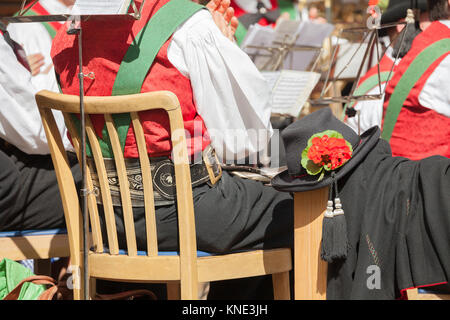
37,37
371,111
219,89
416,115
263,12
29,194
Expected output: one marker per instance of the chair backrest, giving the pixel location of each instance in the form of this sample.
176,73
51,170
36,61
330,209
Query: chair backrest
108,106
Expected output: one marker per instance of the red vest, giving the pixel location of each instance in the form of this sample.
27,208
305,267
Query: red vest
104,46
419,131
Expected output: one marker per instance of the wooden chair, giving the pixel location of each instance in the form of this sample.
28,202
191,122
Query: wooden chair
40,245
310,276
182,272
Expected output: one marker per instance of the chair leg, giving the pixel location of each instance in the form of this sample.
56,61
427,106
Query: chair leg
173,290
92,288
281,286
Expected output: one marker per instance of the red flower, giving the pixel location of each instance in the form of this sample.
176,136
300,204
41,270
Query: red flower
329,152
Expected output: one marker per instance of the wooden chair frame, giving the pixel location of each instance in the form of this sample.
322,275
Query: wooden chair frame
183,272
42,246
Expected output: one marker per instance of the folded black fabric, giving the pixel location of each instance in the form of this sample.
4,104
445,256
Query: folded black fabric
398,215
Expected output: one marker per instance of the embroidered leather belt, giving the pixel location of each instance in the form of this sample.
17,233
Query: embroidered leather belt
163,176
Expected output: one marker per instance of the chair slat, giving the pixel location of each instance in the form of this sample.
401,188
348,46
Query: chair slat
123,185
97,238
150,219
108,210
186,221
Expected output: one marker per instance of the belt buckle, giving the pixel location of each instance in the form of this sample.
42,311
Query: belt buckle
210,159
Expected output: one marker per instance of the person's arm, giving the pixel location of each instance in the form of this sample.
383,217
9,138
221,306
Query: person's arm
230,93
371,112
435,94
36,41
20,122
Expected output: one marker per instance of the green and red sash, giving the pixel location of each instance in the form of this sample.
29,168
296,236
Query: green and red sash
408,80
139,58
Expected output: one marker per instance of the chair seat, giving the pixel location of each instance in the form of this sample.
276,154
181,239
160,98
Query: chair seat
34,244
162,253
30,233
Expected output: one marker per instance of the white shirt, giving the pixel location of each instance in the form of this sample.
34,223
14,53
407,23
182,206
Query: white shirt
230,93
35,38
20,122
435,94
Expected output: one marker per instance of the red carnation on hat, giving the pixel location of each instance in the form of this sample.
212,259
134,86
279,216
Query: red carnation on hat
326,150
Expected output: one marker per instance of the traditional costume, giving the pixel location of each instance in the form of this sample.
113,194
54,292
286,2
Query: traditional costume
36,37
416,116
371,111
384,213
219,89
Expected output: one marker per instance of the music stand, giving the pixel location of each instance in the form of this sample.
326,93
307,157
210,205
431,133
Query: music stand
279,52
373,40
76,28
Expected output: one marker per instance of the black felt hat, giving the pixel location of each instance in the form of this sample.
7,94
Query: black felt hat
397,9
295,138
296,178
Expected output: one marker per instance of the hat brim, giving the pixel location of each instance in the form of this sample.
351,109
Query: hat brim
305,182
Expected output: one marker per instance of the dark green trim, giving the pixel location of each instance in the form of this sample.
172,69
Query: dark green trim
240,33
139,58
288,6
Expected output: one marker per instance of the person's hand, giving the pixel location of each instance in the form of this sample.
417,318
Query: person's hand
283,16
36,61
223,16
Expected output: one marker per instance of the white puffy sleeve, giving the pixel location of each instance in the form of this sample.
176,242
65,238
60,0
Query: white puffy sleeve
20,122
230,93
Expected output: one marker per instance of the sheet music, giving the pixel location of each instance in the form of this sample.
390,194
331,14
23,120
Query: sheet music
313,34
286,31
303,33
100,7
257,35
300,60
290,90
310,34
